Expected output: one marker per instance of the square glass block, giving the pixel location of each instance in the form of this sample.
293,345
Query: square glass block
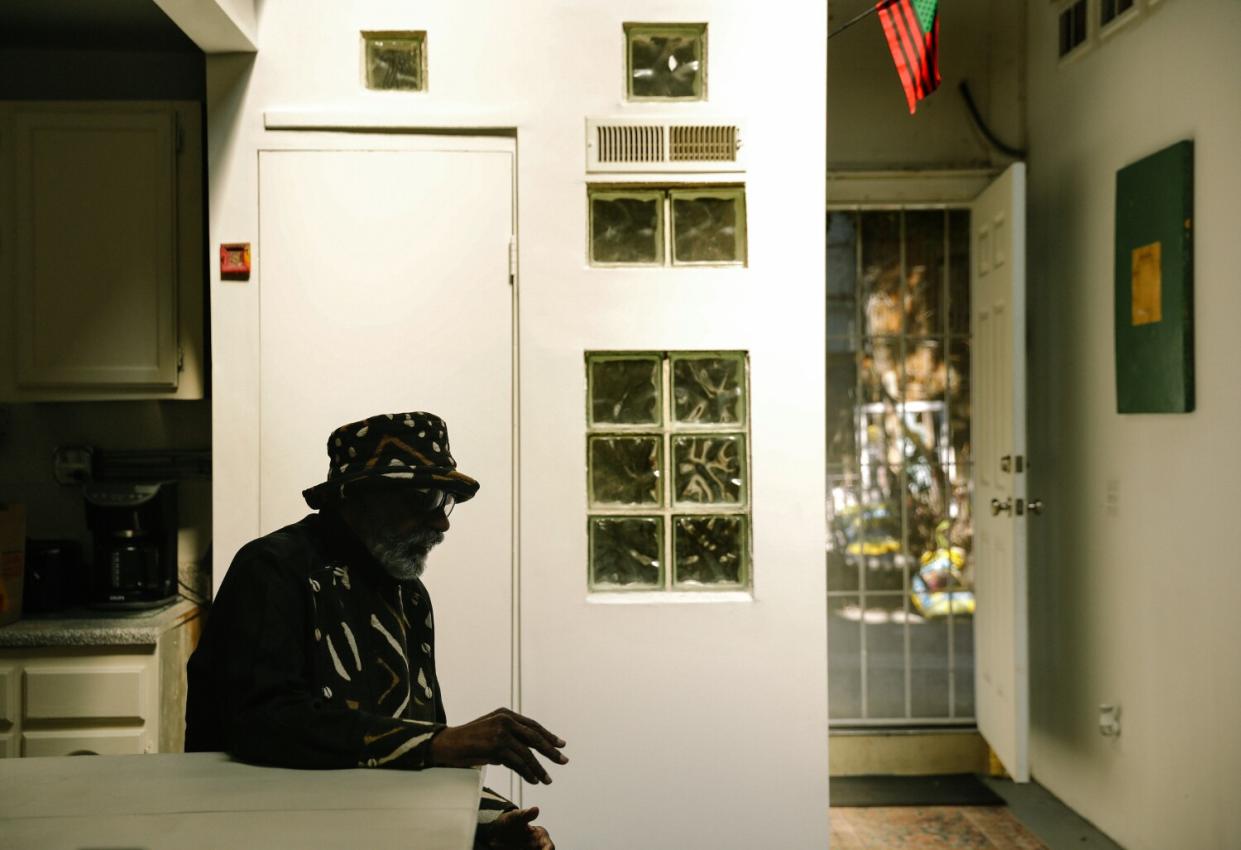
626,228
709,469
709,389
623,389
666,61
626,552
708,226
396,61
625,470
710,550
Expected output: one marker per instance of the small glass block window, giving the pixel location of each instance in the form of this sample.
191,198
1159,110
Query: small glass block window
627,225
626,552
668,489
1110,10
395,61
627,228
1072,19
625,470
666,61
625,390
708,226
708,389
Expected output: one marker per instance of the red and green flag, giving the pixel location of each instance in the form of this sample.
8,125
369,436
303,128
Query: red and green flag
912,30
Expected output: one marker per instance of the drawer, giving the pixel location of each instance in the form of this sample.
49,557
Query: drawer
8,696
101,742
115,691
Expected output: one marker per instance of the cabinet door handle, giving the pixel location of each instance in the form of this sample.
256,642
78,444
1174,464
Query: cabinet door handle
1004,507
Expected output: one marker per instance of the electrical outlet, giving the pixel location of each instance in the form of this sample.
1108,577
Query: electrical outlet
1112,499
1109,720
72,464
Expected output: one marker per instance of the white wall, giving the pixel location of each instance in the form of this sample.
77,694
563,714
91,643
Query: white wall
1137,604
689,725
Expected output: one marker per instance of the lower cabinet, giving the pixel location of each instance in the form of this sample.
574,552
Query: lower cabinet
64,701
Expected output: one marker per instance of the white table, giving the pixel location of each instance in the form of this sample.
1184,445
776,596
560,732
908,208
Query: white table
209,801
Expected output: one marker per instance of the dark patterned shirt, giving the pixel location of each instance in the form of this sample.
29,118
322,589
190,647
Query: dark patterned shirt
314,657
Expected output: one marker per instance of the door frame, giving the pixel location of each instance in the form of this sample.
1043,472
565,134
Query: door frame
238,477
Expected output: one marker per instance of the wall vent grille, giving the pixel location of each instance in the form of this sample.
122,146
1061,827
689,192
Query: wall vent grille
636,143
705,143
644,145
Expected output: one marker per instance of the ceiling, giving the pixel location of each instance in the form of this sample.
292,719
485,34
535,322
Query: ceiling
90,25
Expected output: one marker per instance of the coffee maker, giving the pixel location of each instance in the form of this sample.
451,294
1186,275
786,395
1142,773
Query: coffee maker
134,531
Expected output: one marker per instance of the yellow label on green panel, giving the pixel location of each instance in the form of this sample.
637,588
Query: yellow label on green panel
1146,286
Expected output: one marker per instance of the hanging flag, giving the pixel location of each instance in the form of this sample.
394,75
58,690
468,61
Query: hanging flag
912,30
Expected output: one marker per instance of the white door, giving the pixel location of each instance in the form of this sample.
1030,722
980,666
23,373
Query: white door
385,287
1001,668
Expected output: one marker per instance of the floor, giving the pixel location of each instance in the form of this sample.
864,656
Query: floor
1033,819
931,828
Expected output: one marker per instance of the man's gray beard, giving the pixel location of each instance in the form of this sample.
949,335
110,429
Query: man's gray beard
403,558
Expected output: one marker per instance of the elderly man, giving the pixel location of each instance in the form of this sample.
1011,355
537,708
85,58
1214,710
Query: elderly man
319,649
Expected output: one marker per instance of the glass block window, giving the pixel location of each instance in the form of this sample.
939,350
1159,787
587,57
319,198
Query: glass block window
899,468
1073,22
666,61
668,470
665,225
1110,10
627,228
395,61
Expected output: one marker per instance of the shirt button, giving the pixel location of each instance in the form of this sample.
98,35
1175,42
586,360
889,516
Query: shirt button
327,692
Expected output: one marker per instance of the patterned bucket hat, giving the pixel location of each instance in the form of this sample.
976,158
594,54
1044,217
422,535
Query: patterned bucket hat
409,447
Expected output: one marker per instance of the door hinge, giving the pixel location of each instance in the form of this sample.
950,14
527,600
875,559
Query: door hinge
512,259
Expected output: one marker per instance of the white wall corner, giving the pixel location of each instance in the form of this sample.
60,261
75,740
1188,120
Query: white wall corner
216,26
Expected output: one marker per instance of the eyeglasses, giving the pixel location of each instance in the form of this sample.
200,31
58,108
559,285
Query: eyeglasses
428,501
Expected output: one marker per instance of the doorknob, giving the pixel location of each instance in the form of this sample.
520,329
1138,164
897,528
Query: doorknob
1004,507
1035,506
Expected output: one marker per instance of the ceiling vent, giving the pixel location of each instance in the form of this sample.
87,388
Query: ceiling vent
662,145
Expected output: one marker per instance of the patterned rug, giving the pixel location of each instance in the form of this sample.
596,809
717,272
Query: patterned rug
930,828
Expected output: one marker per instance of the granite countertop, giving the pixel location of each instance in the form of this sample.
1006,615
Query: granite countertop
85,627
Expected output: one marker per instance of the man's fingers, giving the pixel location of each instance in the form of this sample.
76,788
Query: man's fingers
526,815
532,738
552,740
523,761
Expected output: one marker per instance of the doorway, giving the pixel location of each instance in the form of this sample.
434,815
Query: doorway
899,553
386,288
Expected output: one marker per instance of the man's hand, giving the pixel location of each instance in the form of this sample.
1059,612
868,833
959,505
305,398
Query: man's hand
512,831
502,737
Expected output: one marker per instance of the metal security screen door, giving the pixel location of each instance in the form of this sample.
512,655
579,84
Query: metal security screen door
900,592
384,278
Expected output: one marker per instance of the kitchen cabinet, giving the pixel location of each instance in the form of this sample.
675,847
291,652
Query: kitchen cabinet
101,248
106,686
